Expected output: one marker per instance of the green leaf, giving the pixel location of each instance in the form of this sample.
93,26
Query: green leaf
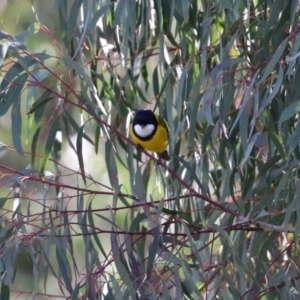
63,20
39,75
79,152
111,165
75,294
245,101
86,79
49,143
64,267
16,122
13,94
153,248
248,151
73,17
98,14
97,138
38,106
274,60
182,89
70,121
5,292
121,265
274,91
34,144
3,149
183,8
3,51
189,280
139,188
289,112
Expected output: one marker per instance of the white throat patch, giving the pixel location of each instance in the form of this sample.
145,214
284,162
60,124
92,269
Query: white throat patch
145,131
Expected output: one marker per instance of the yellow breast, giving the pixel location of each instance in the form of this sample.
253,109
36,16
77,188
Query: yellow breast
158,142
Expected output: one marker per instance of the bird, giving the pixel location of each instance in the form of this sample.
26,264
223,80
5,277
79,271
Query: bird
150,132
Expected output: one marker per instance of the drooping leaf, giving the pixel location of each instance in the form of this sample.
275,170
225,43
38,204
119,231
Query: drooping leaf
49,143
16,121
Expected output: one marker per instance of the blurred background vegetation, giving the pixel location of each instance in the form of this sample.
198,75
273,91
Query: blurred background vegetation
86,216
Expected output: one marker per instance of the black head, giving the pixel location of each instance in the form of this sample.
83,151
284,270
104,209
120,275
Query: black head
144,117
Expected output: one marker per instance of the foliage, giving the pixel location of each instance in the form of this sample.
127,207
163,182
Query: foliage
220,221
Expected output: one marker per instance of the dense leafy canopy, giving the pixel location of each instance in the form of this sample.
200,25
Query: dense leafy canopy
220,221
